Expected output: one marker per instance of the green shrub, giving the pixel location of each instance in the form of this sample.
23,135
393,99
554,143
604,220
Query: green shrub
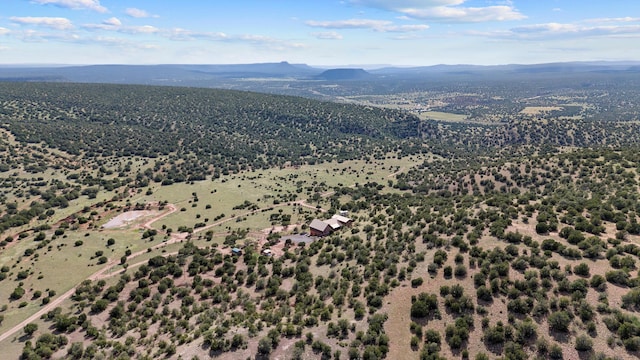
559,321
584,343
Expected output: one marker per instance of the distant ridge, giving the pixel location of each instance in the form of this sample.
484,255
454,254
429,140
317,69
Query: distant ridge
280,69
561,67
252,76
345,74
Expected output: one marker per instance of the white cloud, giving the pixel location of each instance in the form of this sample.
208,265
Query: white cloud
350,24
138,13
4,31
550,31
57,23
572,29
120,43
329,35
376,25
406,4
31,35
266,41
406,28
613,20
112,21
114,24
546,28
145,29
445,10
466,14
180,34
75,4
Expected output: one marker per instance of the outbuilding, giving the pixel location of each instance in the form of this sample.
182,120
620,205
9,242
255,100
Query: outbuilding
343,220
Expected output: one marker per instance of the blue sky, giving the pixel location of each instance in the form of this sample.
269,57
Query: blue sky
318,32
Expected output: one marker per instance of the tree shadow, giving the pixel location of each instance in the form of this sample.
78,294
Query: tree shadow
586,355
495,349
560,336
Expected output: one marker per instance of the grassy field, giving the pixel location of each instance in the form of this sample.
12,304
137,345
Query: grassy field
265,188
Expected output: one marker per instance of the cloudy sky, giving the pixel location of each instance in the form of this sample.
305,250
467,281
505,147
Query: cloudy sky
317,32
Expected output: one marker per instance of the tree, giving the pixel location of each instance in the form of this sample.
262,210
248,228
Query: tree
17,293
30,328
424,305
581,269
99,306
584,343
559,321
264,346
76,350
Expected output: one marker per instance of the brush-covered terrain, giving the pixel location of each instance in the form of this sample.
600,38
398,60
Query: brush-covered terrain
510,236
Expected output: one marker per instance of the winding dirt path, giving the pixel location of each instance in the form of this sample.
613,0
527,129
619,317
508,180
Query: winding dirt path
396,173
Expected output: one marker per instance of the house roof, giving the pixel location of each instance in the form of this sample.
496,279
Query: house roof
334,223
342,219
319,225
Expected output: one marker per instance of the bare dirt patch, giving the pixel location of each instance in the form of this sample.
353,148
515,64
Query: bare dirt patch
125,219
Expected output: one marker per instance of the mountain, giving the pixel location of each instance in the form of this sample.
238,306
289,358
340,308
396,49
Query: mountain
189,75
344,74
281,69
304,80
561,67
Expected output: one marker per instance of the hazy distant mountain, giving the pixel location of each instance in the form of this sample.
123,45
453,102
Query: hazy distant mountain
252,76
281,69
567,67
156,74
344,74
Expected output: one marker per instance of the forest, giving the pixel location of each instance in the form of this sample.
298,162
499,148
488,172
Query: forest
513,233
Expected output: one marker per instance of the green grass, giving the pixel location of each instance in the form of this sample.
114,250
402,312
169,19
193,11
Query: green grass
263,187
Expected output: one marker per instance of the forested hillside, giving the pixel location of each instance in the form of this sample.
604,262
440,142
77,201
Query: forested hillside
223,130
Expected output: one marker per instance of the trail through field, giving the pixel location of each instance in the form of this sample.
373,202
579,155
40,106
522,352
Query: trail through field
396,173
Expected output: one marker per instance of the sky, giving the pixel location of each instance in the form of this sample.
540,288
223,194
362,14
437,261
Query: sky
318,32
